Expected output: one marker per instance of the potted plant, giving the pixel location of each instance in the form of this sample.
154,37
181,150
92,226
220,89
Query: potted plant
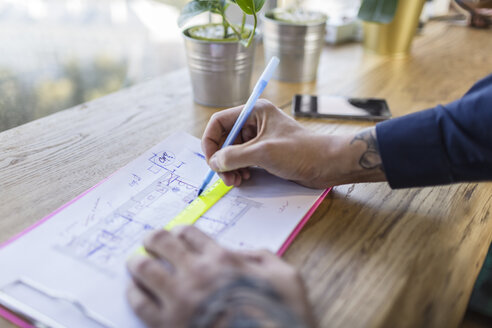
220,55
390,25
296,37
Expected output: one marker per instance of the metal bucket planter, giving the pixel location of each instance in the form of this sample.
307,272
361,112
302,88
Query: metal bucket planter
220,71
298,46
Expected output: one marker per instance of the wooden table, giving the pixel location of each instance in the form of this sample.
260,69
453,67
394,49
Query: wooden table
371,256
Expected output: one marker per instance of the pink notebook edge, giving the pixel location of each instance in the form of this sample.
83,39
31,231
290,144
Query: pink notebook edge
14,318
302,223
23,324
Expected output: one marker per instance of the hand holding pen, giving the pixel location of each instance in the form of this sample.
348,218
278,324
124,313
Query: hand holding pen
245,113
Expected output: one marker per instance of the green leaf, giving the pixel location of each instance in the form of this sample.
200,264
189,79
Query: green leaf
246,5
250,7
259,4
192,9
379,11
217,6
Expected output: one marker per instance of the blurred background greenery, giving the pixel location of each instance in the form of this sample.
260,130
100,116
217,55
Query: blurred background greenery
59,53
55,54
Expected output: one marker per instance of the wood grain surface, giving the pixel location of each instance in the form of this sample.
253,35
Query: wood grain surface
370,256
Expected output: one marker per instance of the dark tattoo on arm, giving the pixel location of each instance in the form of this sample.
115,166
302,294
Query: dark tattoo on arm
245,302
370,159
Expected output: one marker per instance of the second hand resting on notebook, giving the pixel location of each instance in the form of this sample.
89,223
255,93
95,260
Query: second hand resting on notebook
205,285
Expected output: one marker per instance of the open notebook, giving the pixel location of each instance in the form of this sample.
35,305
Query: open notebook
68,270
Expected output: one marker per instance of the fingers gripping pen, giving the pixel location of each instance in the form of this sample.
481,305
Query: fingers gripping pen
247,110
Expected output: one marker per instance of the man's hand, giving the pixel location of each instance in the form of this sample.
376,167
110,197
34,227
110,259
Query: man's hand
272,140
190,281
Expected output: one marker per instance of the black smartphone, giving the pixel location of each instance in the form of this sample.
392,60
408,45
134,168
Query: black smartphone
371,109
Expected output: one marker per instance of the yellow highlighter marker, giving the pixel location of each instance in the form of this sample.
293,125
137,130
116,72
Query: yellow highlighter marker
200,205
197,207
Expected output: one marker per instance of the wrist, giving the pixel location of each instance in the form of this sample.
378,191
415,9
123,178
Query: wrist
352,158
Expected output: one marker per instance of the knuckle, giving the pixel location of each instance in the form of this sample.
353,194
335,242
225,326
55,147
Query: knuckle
226,257
158,237
187,231
223,160
225,177
215,116
264,102
268,145
267,105
144,267
190,230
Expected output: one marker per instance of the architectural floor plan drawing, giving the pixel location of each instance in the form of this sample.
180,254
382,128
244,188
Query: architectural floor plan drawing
102,243
70,270
226,215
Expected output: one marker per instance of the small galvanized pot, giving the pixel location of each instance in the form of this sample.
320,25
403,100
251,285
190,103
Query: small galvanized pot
220,71
298,46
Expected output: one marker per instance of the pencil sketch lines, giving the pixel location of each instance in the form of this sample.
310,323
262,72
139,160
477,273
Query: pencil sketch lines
164,160
103,241
225,215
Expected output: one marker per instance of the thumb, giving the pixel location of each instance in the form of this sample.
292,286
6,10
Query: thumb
234,157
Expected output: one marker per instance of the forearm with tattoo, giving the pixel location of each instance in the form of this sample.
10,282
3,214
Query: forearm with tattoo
245,302
370,158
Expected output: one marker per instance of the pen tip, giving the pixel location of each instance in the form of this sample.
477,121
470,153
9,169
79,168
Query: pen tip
199,192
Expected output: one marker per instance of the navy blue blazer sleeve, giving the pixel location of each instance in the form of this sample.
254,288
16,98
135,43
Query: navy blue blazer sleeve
442,145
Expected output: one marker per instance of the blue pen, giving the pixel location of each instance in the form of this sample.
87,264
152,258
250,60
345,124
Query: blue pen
247,109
